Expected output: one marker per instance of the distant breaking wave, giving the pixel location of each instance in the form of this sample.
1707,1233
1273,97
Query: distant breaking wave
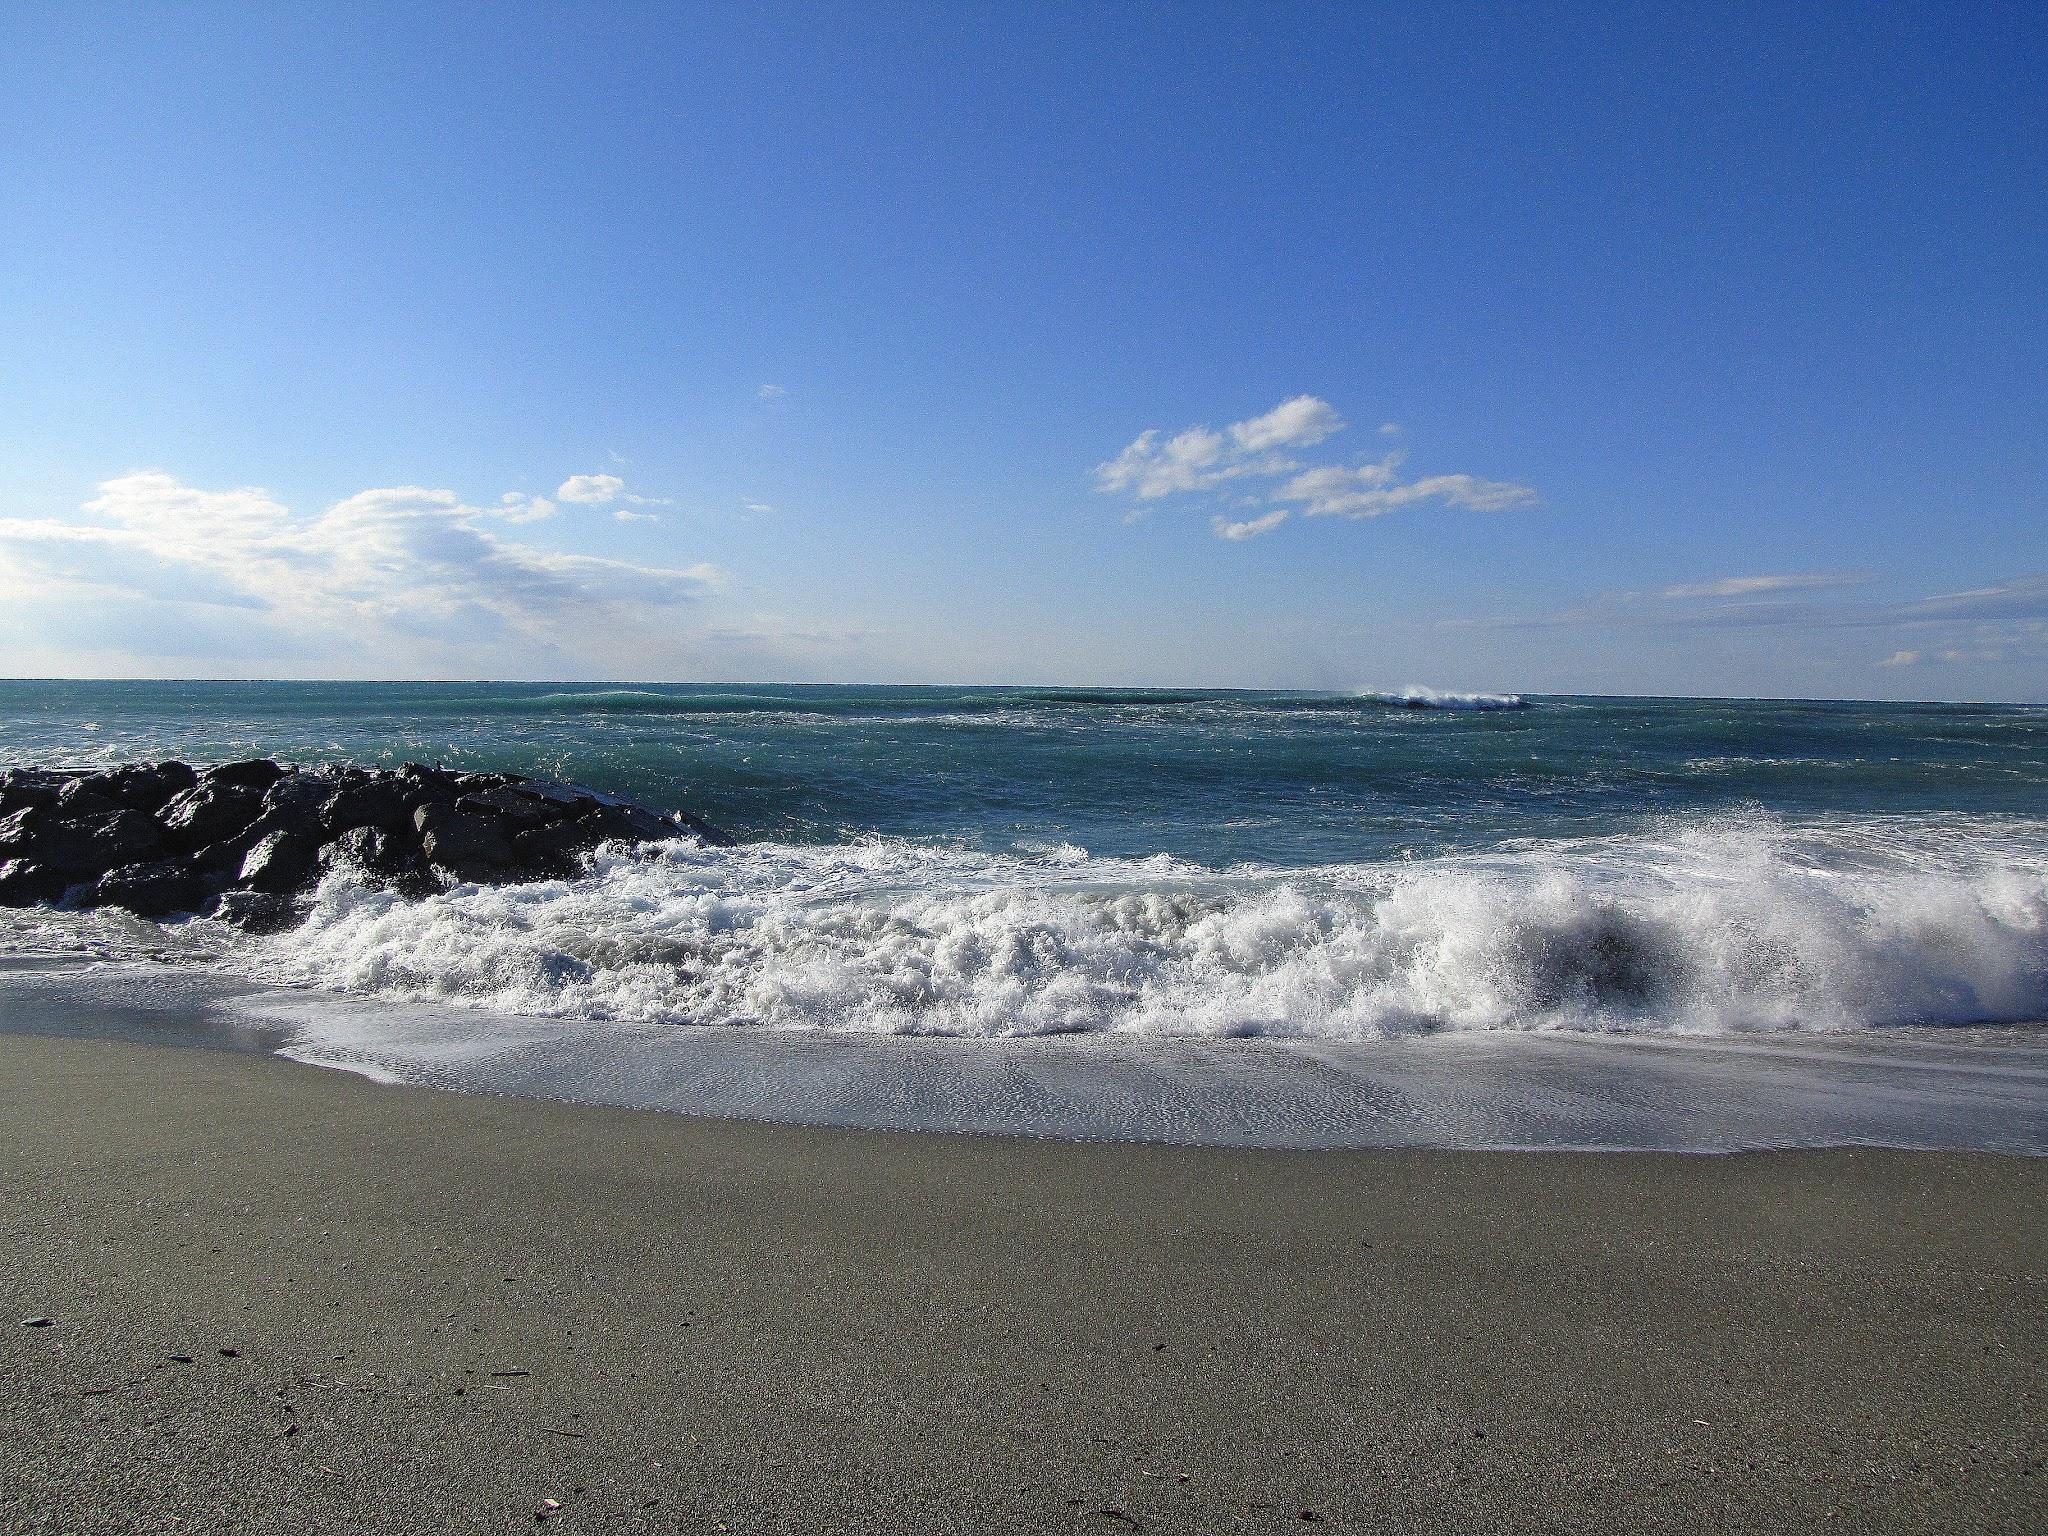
1432,698
1719,924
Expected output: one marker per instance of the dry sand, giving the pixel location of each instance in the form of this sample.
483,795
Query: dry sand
405,1310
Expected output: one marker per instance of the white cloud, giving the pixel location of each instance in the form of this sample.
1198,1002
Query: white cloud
590,490
1745,586
518,507
407,573
1250,528
628,515
1301,422
1154,466
1901,659
770,392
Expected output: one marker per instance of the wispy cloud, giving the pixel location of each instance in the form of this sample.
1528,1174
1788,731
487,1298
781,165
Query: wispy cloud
1154,466
603,491
404,571
1746,586
2004,621
590,490
1249,528
770,392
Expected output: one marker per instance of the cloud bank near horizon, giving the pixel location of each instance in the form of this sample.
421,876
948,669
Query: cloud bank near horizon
398,578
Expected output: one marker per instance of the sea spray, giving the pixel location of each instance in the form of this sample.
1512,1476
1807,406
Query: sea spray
1736,922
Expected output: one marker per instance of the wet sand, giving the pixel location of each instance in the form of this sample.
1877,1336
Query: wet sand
400,1309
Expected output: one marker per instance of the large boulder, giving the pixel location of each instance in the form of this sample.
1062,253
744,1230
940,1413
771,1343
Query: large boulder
519,806
463,845
21,788
80,847
24,883
209,812
382,858
257,773
147,787
279,862
258,911
85,797
381,803
149,890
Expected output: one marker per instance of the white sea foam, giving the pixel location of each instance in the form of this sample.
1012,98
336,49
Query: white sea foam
1418,697
1732,923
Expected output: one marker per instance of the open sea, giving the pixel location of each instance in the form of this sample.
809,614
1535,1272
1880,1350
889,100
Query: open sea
1196,915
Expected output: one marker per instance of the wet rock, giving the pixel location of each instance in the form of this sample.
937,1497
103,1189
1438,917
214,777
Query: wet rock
280,862
24,883
467,846
21,788
258,911
622,822
557,846
80,848
297,797
379,803
257,773
147,787
517,804
149,890
162,838
85,797
208,812
381,857
704,832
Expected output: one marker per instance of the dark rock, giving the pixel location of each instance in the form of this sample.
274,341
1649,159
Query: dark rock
78,849
280,861
250,773
520,806
85,797
704,832
467,847
428,786
147,787
21,788
148,890
23,883
258,911
298,797
623,822
208,812
271,829
383,858
20,829
222,861
379,803
549,853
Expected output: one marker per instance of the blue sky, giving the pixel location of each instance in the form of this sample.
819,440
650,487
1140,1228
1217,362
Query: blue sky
1564,348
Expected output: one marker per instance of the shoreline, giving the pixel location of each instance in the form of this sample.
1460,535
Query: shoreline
708,1322
1981,1089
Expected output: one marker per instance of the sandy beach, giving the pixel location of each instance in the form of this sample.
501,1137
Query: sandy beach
286,1299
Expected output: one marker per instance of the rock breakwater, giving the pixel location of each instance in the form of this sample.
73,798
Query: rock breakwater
244,840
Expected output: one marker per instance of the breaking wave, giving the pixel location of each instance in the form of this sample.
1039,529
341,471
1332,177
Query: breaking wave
1728,923
1432,698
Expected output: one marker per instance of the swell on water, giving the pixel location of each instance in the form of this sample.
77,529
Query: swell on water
1703,925
1417,697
